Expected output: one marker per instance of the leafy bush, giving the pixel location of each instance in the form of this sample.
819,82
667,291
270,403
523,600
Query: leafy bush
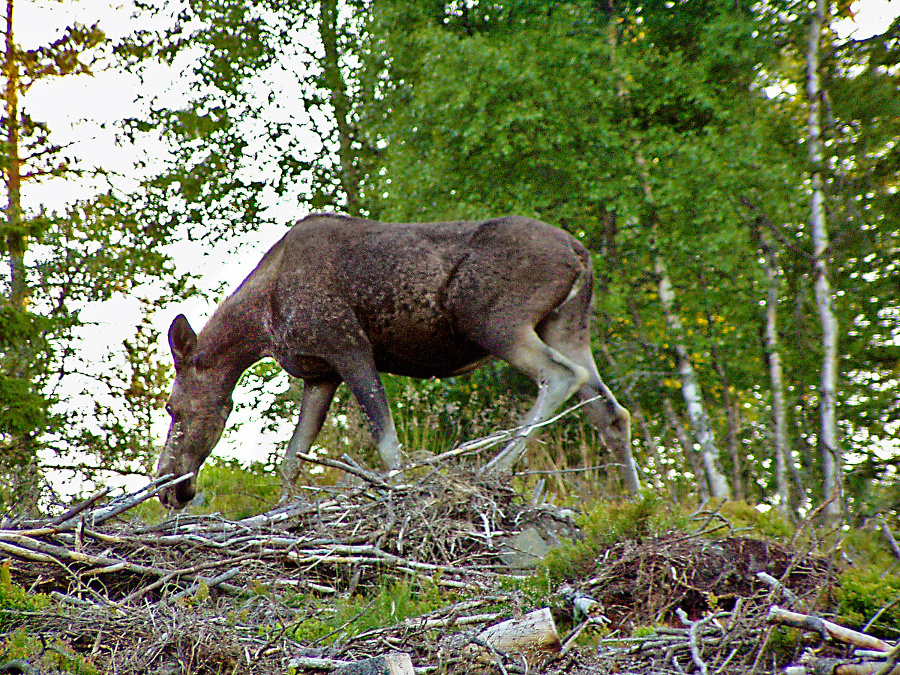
867,594
45,656
606,523
18,642
16,598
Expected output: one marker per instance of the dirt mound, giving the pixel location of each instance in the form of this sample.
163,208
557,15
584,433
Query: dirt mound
643,583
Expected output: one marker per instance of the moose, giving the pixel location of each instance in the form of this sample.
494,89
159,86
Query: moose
342,299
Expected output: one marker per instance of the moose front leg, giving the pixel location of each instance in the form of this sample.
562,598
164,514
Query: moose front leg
360,375
317,397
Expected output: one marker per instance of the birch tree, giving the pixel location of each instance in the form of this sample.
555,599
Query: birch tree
690,388
776,377
828,433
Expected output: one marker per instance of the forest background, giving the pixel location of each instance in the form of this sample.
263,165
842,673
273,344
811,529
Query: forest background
733,167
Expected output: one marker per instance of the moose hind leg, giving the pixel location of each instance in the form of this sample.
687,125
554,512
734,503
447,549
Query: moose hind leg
317,397
612,421
558,377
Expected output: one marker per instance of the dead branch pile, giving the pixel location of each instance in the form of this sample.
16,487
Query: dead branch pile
204,594
194,591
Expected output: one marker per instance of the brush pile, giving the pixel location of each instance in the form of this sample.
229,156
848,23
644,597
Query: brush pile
204,594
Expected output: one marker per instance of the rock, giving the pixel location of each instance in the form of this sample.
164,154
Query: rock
525,550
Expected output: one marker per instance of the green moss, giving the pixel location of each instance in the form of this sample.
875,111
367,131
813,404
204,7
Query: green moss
767,524
863,594
607,523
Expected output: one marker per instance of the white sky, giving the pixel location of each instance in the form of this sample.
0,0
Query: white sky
83,111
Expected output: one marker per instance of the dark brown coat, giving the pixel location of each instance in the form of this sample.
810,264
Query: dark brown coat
341,299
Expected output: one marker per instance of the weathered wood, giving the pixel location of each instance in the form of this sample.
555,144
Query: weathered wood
826,629
398,663
835,667
532,634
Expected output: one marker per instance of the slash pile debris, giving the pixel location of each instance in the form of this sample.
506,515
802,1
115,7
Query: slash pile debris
203,594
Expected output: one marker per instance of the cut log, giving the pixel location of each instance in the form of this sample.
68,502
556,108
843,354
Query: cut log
835,667
397,663
531,635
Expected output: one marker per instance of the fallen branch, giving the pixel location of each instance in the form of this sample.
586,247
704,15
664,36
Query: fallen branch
826,629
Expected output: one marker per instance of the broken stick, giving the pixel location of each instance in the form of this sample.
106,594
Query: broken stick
826,629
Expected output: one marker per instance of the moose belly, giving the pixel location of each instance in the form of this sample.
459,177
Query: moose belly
425,351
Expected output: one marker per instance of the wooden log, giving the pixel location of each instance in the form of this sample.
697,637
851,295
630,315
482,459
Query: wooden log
835,667
397,663
533,634
826,629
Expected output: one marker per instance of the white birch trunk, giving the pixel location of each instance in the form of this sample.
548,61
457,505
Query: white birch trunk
828,438
688,447
690,389
776,377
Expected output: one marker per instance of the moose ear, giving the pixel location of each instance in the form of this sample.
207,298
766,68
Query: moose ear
182,340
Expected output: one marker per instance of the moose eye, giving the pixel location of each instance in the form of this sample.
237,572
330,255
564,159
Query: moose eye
169,410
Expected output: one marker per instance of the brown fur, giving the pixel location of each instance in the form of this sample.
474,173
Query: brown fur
341,299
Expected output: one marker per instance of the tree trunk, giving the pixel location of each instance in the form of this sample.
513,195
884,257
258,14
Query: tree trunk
333,80
718,483
532,635
733,419
828,437
685,442
14,228
690,388
776,378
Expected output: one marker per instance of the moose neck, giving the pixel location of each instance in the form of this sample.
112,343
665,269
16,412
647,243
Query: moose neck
232,340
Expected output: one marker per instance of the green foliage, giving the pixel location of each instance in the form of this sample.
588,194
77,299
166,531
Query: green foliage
385,605
14,598
56,656
768,524
868,596
606,523
23,408
227,487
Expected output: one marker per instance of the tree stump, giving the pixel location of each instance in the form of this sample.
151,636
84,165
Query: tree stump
532,635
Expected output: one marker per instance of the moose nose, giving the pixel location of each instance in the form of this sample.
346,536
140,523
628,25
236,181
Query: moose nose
178,496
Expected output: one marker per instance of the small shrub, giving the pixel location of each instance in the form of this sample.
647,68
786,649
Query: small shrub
43,655
608,523
863,594
14,598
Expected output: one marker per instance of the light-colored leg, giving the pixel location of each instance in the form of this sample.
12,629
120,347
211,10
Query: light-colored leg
558,378
317,397
612,421
362,378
